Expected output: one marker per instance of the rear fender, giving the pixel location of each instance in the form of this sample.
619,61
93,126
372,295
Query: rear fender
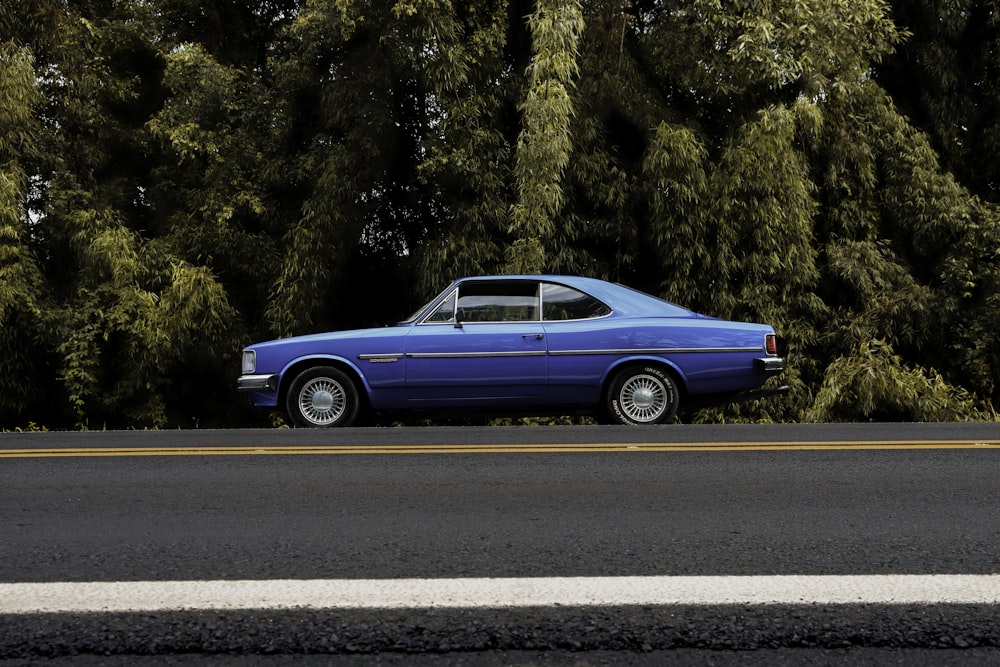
675,372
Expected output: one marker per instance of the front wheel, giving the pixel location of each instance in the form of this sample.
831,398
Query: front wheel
322,396
642,395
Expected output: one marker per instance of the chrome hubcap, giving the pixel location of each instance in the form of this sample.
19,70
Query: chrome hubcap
322,401
643,398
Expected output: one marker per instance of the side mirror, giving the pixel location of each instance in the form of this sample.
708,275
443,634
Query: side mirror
459,318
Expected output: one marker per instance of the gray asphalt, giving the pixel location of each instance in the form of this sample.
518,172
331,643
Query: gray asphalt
472,515
518,434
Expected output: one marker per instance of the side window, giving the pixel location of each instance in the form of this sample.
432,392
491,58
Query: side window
498,301
565,303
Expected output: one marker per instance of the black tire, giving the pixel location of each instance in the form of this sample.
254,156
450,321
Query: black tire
642,395
321,397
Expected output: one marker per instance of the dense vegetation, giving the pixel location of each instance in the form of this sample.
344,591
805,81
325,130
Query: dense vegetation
179,178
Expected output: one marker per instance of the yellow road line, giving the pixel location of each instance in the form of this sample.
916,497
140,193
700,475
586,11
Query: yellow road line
498,448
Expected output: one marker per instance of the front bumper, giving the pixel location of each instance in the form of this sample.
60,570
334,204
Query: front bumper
257,382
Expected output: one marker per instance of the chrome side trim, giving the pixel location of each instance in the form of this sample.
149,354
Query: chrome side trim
382,358
569,353
656,351
472,355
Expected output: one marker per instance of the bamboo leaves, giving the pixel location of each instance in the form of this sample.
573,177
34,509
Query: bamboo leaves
544,145
22,295
179,178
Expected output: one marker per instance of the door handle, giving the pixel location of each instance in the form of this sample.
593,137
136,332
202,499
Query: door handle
535,336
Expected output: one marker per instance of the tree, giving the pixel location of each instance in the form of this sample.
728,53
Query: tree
123,306
545,144
945,82
22,297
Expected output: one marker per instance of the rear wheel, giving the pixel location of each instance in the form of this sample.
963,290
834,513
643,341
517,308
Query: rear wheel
642,395
322,396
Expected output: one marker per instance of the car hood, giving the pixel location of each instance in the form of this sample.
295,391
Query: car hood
350,334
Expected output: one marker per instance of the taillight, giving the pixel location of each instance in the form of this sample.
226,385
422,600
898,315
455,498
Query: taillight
771,344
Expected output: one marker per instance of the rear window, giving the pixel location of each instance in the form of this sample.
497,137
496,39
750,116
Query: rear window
565,303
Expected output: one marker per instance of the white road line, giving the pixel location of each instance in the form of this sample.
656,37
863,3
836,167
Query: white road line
28,598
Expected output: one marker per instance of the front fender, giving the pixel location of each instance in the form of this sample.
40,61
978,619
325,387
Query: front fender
296,366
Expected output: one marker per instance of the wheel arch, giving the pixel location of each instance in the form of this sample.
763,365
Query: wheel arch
293,369
680,380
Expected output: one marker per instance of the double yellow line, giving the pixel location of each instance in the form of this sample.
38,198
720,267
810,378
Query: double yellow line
356,450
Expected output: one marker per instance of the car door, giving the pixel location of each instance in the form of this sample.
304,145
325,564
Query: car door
484,345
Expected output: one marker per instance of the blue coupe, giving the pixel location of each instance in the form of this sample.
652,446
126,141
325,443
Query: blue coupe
519,345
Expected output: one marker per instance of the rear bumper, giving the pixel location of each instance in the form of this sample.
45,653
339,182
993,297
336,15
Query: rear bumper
769,365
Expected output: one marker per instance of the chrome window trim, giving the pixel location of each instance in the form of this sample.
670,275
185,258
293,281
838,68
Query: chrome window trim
539,290
538,298
437,304
467,323
581,319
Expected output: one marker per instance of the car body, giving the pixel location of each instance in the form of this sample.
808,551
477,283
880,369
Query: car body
518,345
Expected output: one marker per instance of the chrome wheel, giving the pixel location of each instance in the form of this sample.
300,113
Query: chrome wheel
643,398
322,396
322,401
642,395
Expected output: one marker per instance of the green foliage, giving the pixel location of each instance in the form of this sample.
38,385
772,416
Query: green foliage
675,170
22,297
945,83
470,93
873,384
177,179
545,144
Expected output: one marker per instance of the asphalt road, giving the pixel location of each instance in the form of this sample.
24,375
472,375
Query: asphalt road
460,503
